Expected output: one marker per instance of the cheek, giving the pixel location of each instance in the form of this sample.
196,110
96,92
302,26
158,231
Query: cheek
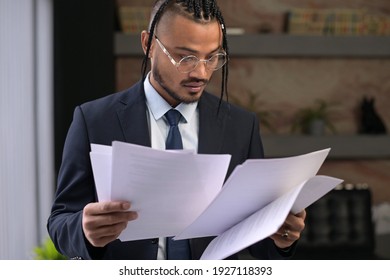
173,80
169,76
169,73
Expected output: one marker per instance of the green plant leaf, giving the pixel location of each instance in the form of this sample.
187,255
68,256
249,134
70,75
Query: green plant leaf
47,251
319,111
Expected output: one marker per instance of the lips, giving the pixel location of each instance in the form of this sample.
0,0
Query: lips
194,85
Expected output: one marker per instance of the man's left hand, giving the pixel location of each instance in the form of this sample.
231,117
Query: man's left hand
290,231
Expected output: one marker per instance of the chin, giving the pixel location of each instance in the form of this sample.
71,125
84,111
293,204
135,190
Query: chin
193,97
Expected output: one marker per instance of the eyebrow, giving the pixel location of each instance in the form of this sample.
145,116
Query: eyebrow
195,51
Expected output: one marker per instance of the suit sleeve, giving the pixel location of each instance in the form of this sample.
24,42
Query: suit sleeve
75,189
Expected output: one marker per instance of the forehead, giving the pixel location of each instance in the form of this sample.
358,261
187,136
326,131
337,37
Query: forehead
177,30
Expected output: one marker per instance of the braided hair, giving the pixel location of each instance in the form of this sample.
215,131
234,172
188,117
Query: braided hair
197,10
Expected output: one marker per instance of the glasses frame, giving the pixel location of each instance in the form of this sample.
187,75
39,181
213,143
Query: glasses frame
177,64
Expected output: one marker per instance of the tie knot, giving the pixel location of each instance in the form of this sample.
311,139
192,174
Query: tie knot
173,117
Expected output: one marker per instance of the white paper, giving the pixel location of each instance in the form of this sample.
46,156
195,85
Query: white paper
101,166
251,187
314,189
180,193
269,219
168,190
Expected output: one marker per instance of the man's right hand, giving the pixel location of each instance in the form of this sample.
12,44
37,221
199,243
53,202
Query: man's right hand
103,222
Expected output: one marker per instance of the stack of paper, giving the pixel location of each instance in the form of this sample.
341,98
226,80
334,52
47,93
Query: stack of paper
182,194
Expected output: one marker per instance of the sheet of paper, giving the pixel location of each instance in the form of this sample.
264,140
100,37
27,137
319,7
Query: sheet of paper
267,221
167,189
102,149
251,187
101,161
101,166
313,190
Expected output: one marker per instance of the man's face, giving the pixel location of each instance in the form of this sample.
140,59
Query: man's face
182,37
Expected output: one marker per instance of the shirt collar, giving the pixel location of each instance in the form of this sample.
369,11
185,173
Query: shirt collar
158,106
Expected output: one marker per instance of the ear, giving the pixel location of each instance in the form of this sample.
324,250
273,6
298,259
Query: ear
144,42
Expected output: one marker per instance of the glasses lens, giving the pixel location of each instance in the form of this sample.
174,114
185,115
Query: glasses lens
216,61
187,64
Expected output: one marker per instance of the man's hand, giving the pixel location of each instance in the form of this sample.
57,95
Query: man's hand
103,222
290,231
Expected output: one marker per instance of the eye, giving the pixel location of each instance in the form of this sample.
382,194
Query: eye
214,57
189,59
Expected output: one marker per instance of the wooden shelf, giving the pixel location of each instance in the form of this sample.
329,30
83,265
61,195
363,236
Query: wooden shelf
252,45
342,147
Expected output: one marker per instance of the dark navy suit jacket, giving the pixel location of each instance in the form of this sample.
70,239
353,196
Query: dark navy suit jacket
123,117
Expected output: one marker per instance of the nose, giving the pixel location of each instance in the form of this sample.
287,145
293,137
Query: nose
201,71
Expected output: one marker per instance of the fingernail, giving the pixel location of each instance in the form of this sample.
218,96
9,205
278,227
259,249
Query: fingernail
126,205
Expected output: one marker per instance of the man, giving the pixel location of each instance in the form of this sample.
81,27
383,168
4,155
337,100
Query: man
185,44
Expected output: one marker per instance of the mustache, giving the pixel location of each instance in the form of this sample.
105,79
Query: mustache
204,81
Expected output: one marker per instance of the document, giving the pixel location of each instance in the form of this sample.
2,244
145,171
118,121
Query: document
168,189
268,219
183,194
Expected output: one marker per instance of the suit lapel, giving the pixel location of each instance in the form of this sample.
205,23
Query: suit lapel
211,125
132,116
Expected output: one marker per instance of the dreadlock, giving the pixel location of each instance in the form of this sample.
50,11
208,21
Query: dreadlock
198,10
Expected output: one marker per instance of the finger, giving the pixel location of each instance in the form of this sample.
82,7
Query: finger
92,222
106,207
282,242
287,232
104,231
295,223
102,240
282,233
301,214
101,236
120,217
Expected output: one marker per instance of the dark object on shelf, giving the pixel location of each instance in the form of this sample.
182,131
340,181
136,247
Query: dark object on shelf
371,122
339,226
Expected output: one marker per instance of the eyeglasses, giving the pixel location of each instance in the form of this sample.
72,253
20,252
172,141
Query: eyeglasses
190,62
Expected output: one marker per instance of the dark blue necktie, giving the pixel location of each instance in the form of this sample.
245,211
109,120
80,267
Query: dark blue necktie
180,249
173,141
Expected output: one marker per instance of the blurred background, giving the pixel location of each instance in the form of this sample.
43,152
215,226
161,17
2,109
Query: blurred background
317,73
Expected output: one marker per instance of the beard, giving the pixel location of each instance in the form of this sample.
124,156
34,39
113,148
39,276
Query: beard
186,99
